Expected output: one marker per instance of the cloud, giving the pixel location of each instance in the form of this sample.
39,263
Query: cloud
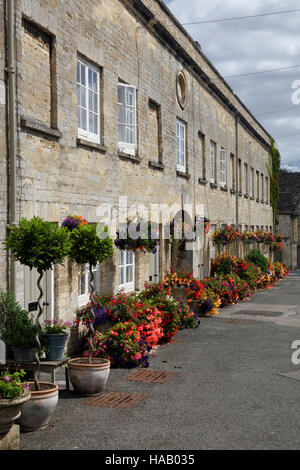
257,44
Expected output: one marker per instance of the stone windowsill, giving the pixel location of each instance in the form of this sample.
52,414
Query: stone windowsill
224,188
156,165
183,174
91,145
202,181
39,127
129,158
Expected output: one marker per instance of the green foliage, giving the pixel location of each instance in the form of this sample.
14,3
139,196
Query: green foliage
9,309
274,168
21,332
37,243
251,275
256,257
11,384
89,247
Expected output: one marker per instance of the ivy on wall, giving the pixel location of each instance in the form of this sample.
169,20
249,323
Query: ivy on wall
273,169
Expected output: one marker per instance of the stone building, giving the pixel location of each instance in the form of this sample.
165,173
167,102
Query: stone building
289,217
114,98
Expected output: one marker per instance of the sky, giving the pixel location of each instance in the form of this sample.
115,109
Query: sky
253,45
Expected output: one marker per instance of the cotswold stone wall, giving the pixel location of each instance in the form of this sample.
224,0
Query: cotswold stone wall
58,175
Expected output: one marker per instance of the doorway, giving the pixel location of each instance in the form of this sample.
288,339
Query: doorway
31,292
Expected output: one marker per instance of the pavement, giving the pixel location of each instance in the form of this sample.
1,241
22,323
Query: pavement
228,392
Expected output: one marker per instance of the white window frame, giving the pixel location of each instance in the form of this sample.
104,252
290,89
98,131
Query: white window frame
84,298
212,153
86,134
251,184
127,147
181,138
126,286
245,178
223,165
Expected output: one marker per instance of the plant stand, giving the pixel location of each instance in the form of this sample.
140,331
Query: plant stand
48,367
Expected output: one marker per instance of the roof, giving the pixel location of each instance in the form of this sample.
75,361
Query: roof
289,196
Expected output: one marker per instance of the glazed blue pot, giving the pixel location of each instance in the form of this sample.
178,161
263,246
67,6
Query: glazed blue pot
55,345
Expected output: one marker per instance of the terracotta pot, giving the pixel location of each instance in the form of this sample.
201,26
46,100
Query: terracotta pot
37,412
10,411
88,379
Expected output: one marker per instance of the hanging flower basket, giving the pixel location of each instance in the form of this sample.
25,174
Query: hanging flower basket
225,236
74,221
268,238
146,245
259,236
248,237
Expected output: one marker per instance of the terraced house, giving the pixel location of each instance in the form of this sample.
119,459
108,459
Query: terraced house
107,98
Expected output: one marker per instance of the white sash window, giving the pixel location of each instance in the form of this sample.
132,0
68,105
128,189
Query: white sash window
126,271
88,101
223,167
127,118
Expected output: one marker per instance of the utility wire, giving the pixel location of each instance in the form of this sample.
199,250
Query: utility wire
278,111
263,71
242,17
286,136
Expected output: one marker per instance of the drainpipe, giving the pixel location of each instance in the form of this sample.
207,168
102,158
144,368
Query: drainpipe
12,125
237,178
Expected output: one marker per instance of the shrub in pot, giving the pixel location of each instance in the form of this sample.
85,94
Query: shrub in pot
19,335
10,309
88,246
54,338
38,244
13,394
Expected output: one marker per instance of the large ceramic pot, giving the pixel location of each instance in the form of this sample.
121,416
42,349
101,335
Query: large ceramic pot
37,412
55,346
23,355
88,379
10,411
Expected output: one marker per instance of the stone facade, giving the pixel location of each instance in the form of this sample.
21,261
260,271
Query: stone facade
141,44
289,217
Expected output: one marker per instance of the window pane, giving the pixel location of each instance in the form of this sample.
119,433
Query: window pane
121,276
82,79
78,72
79,117
121,96
129,257
129,274
130,96
83,97
78,94
90,75
83,119
121,114
121,133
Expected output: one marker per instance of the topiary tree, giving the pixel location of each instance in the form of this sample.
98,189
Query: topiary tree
89,247
38,244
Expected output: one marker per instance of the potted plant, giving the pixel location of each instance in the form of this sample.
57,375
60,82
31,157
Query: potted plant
10,309
38,244
54,338
19,335
89,375
13,394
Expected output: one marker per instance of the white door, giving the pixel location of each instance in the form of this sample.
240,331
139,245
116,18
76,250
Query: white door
154,266
31,292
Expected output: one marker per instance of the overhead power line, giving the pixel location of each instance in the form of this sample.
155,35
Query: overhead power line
286,136
242,17
278,110
263,71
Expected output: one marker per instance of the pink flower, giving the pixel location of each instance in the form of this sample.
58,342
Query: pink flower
6,378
